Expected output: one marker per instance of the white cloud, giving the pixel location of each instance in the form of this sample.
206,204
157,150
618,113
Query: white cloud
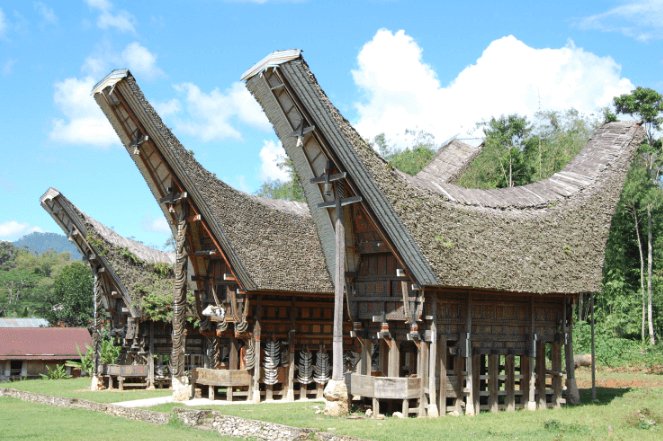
134,56
402,92
120,20
167,108
140,60
158,225
271,155
639,19
46,12
12,230
3,23
83,122
213,116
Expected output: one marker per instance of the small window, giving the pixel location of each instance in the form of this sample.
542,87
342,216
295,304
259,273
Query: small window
16,367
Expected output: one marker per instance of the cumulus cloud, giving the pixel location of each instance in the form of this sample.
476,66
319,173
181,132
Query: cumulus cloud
108,19
271,155
46,12
402,92
639,19
83,122
213,116
12,230
136,57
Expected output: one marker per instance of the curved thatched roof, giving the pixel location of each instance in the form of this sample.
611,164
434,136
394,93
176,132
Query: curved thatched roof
449,162
271,245
133,269
547,237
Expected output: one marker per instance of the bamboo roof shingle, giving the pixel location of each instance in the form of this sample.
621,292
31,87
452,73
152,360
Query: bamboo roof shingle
270,245
546,237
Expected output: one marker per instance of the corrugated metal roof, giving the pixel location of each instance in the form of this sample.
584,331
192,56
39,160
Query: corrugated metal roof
23,323
43,343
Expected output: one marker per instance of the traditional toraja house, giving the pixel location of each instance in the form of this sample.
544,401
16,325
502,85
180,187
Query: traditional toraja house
455,295
28,352
263,292
127,277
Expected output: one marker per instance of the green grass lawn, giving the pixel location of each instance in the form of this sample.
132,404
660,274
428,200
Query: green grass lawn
20,420
629,406
80,388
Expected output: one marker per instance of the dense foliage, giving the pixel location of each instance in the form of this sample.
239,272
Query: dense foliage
27,280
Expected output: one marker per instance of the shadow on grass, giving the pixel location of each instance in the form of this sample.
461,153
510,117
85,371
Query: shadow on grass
604,395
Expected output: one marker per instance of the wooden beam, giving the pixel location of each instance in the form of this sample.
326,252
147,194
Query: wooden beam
493,382
509,383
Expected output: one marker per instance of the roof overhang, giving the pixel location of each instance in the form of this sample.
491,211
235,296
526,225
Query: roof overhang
272,60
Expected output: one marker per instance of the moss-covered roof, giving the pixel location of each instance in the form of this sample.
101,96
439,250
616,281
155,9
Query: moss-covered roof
546,237
134,269
271,245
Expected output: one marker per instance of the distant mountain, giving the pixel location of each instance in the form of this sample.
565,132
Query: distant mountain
39,243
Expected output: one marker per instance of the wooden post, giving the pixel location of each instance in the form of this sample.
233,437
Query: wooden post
459,371
524,379
509,383
444,378
541,373
556,355
96,338
469,365
258,355
233,354
365,367
150,358
179,380
531,402
290,391
393,368
493,382
572,394
433,364
476,372
422,371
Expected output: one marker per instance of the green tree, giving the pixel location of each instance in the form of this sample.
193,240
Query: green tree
71,300
413,157
647,198
7,255
291,190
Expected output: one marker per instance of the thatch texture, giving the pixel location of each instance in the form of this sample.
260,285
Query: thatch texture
134,269
271,245
547,237
449,162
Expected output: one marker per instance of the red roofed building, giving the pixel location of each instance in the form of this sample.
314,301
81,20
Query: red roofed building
25,352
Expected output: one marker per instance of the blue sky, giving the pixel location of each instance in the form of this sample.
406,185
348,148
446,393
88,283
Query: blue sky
388,65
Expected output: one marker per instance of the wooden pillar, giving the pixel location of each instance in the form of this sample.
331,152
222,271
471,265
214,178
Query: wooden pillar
509,383
531,402
493,382
258,356
365,365
541,373
233,354
422,372
556,355
394,359
150,358
572,394
179,380
444,378
290,387
524,379
339,294
469,364
476,373
459,371
433,364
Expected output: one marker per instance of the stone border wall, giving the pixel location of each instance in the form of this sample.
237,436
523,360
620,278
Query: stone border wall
198,419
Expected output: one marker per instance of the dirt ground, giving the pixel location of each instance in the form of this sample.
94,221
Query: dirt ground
620,378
